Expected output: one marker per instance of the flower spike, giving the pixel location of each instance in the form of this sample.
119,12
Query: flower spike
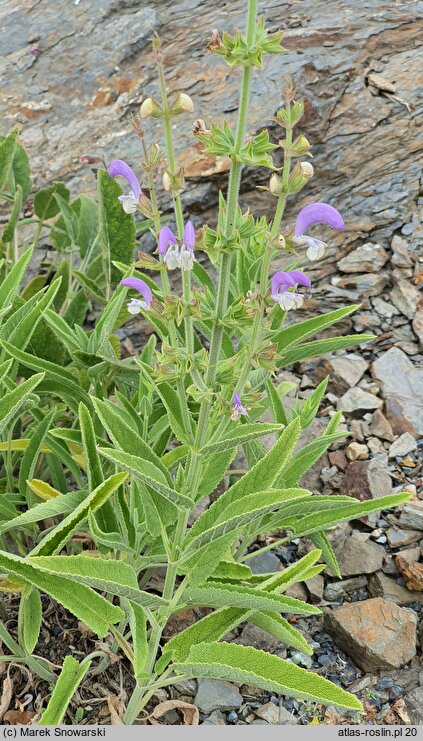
135,305
316,213
119,168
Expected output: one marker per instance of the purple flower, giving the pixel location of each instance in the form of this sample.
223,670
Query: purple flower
135,305
119,168
169,249
187,248
282,282
237,408
316,213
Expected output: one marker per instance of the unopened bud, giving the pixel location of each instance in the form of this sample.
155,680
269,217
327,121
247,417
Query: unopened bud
297,179
307,169
300,147
149,108
182,104
275,184
167,180
281,242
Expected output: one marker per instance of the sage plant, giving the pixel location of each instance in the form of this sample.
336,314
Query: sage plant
148,438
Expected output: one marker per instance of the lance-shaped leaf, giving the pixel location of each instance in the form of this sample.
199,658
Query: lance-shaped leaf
30,457
60,505
138,625
116,577
15,401
261,476
229,595
29,620
301,330
56,538
241,513
7,153
239,436
88,606
68,682
117,229
214,470
124,436
281,629
147,473
247,665
292,472
320,347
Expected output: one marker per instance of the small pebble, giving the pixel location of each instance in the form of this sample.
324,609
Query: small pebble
232,717
396,692
384,683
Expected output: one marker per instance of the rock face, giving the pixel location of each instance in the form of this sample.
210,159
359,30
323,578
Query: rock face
213,694
377,634
402,385
90,66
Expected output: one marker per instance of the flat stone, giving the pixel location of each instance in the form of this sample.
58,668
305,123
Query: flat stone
254,636
380,426
269,712
315,587
412,515
402,387
214,694
357,400
400,257
403,445
357,452
381,585
338,459
368,258
405,296
350,368
216,718
398,538
418,324
366,480
265,563
359,555
414,705
383,308
337,589
376,633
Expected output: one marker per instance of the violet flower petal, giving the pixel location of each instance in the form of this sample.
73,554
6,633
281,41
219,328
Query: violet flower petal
189,236
300,278
318,213
166,237
119,168
140,286
281,281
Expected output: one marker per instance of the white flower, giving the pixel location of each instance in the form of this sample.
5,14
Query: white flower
186,258
129,202
315,247
172,258
135,305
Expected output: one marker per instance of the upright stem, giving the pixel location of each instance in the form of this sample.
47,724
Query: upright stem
142,694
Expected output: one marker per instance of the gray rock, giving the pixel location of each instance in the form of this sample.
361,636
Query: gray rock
216,718
315,587
384,586
359,555
412,515
398,538
357,400
357,452
383,308
403,445
275,715
405,296
400,257
337,589
265,563
402,386
414,705
350,368
368,258
214,694
258,638
186,686
418,324
380,426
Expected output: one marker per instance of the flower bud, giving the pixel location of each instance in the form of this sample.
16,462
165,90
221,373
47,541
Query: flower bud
300,147
281,242
182,104
167,180
307,169
275,185
149,108
297,179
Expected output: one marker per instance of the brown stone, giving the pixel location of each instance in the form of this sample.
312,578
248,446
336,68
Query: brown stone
337,458
376,633
366,480
358,555
412,573
380,426
381,585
